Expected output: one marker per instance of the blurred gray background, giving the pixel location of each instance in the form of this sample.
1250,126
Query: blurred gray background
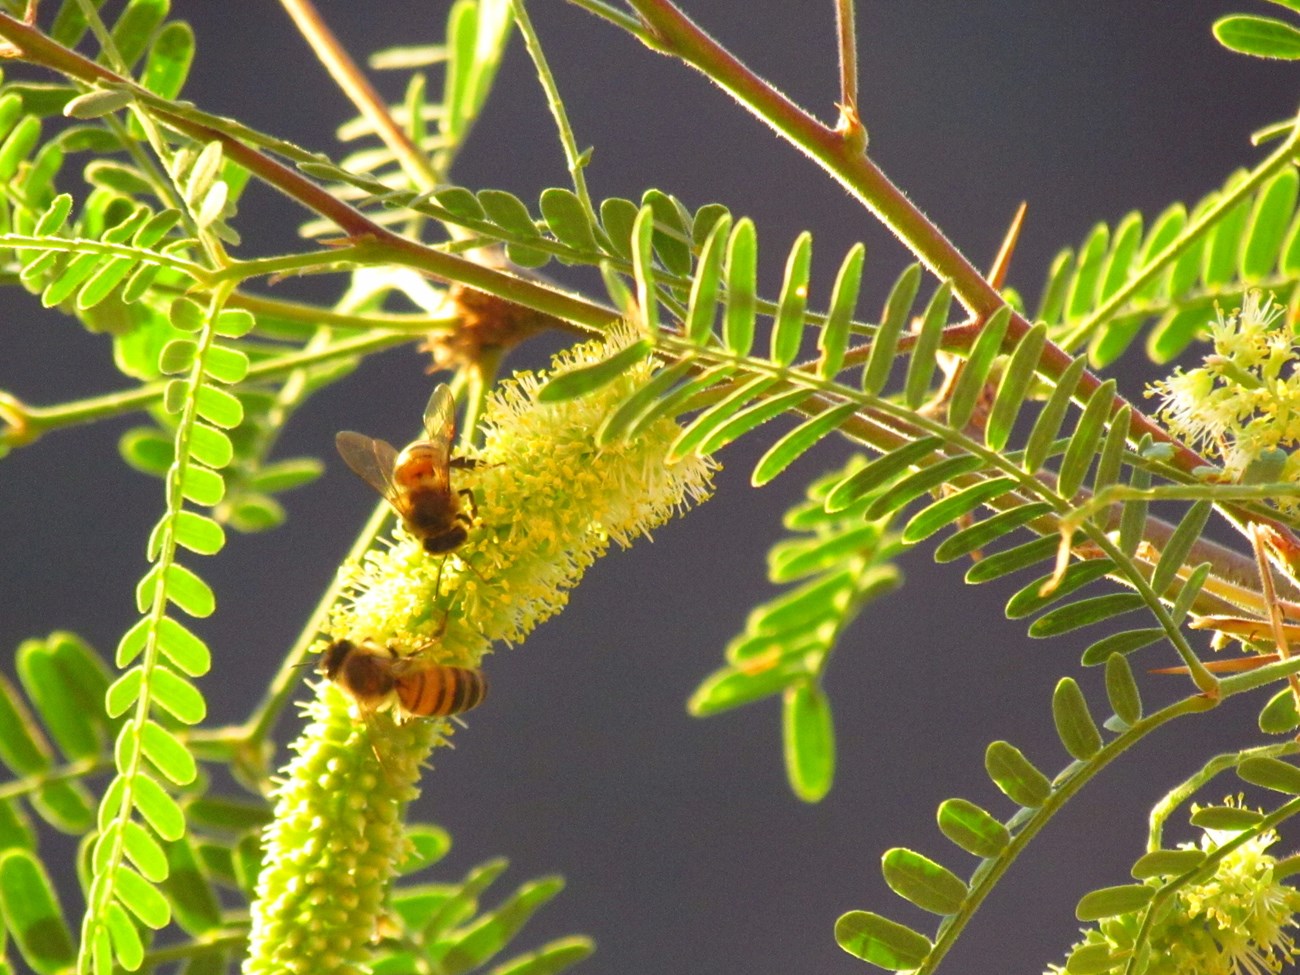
683,848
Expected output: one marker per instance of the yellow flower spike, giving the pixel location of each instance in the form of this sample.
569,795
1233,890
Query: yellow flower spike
549,503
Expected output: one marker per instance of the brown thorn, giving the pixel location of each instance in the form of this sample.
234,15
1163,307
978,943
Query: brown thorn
997,275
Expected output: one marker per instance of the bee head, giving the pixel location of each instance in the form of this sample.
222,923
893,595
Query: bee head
332,657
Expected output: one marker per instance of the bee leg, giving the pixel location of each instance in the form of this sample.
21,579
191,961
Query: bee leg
468,495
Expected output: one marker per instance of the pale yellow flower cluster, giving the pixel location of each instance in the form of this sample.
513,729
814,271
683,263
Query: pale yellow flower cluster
1243,402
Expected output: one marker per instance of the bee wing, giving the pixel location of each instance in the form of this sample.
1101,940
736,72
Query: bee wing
440,424
371,460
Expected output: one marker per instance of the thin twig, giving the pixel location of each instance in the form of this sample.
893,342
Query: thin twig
353,82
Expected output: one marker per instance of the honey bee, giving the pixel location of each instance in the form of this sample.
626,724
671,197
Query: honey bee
378,677
417,481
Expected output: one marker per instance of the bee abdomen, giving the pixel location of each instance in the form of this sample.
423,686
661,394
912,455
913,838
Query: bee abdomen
441,690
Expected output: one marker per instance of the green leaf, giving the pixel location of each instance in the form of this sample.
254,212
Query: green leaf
1082,448
203,486
72,716
190,593
975,371
1016,382
1187,594
15,829
703,306
892,322
167,753
198,533
972,829
255,513
234,323
920,370
426,845
926,884
583,380
1018,779
749,418
671,234
1179,545
219,407
706,220
1124,642
1267,226
1074,724
1085,612
1109,901
1082,296
1122,689
189,653
103,281
285,475
177,356
187,886
1261,37
880,471
32,915
210,446
144,851
1166,863
135,27
141,898
567,219
223,814
987,531
742,282
617,216
1176,330
124,692
494,930
1051,417
1270,773
1052,303
939,474
463,902
834,338
809,736
1111,460
1031,598
22,746
1010,560
1119,262
794,559
154,229
1133,518
1093,959
643,272
550,959
18,145
54,217
787,326
177,696
880,941
712,419
729,688
170,57
125,937
795,443
949,509
1230,819
159,809
507,211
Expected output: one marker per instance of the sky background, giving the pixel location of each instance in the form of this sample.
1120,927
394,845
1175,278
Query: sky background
683,848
